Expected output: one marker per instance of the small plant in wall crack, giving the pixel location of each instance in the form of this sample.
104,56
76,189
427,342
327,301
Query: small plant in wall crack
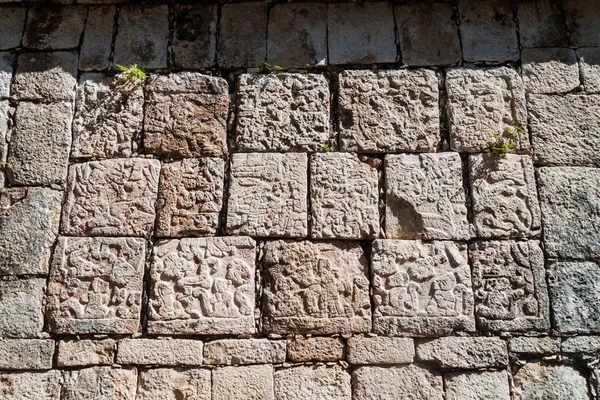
268,68
133,75
507,139
4,165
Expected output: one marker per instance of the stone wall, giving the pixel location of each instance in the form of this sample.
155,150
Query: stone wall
336,230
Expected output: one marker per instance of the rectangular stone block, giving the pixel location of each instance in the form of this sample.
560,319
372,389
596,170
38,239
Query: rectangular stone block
589,67
389,111
305,382
97,38
244,351
85,352
11,30
315,349
482,385
315,287
393,383
31,385
16,354
170,352
100,383
581,17
6,73
588,345
380,350
54,27
203,286
541,24
243,383
283,112
536,380
96,285
46,77
21,308
534,345
449,352
421,289
194,36
242,45
553,70
171,384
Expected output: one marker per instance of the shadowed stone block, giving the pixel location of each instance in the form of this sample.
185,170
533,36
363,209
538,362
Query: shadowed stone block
552,70
11,29
589,65
171,384
194,37
306,382
582,17
315,349
86,352
46,77
21,308
26,354
393,383
242,45
244,351
160,352
449,352
97,38
477,385
541,24
100,383
540,381
243,383
54,27
380,350
31,385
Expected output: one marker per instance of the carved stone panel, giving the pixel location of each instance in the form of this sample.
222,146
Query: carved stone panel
96,285
100,383
203,285
421,289
315,287
509,284
174,384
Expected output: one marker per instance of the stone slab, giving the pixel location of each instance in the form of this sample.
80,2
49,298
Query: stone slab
477,385
11,31
540,381
172,384
86,352
393,383
242,45
589,66
97,38
54,27
21,308
6,73
581,17
541,24
243,383
315,349
28,354
194,36
306,382
169,352
99,383
587,345
380,350
534,345
550,70
31,385
244,352
46,77
449,352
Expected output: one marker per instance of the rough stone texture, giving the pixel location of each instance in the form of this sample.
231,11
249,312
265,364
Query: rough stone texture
6,73
315,349
267,195
160,352
30,385
581,16
393,110
242,45
186,115
344,197
571,219
26,354
203,285
575,296
21,308
421,289
482,102
99,383
424,43
282,112
393,383
53,27
464,352
11,29
307,382
96,285
85,352
380,350
581,345
46,76
504,196
29,219
488,31
533,345
540,381
111,198
174,384
477,385
541,24
108,118
552,70
97,38
243,383
589,65
425,197
319,288
194,37
244,351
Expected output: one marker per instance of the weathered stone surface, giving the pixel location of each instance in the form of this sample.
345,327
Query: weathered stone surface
54,27
581,16
552,70
186,115
267,195
422,42
477,385
483,102
575,296
111,198
194,38
242,45
85,352
160,352
26,354
99,383
29,219
421,289
464,352
315,349
344,197
243,383
150,49
30,385
96,285
589,65
571,219
11,29
174,384
108,118
315,287
380,350
504,196
244,351
282,112
541,24
97,38
361,33
425,197
393,383
297,34
540,381
534,345
46,76
21,313
306,382
203,285
392,110
581,345
6,73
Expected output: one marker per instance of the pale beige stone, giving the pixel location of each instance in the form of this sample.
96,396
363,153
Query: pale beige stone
99,383
589,65
46,76
244,351
307,382
394,383
6,72
31,385
21,309
477,385
558,382
243,383
18,354
534,345
380,350
451,352
174,384
315,349
170,352
551,70
85,352
581,345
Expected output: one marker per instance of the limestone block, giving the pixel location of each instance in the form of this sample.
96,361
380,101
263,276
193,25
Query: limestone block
99,383
425,197
150,49
6,73
581,17
21,312
5,109
170,352
11,29
242,45
477,385
464,352
380,350
96,285
504,196
190,197
267,195
85,352
588,345
31,385
108,118
315,349
186,115
194,38
421,289
46,76
172,384
97,38
26,354
54,27
539,381
111,198
541,24
315,287
243,383
282,112
388,111
202,285
244,351
571,219
392,383
29,219
552,70
361,33
308,382
589,65
482,102
533,345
